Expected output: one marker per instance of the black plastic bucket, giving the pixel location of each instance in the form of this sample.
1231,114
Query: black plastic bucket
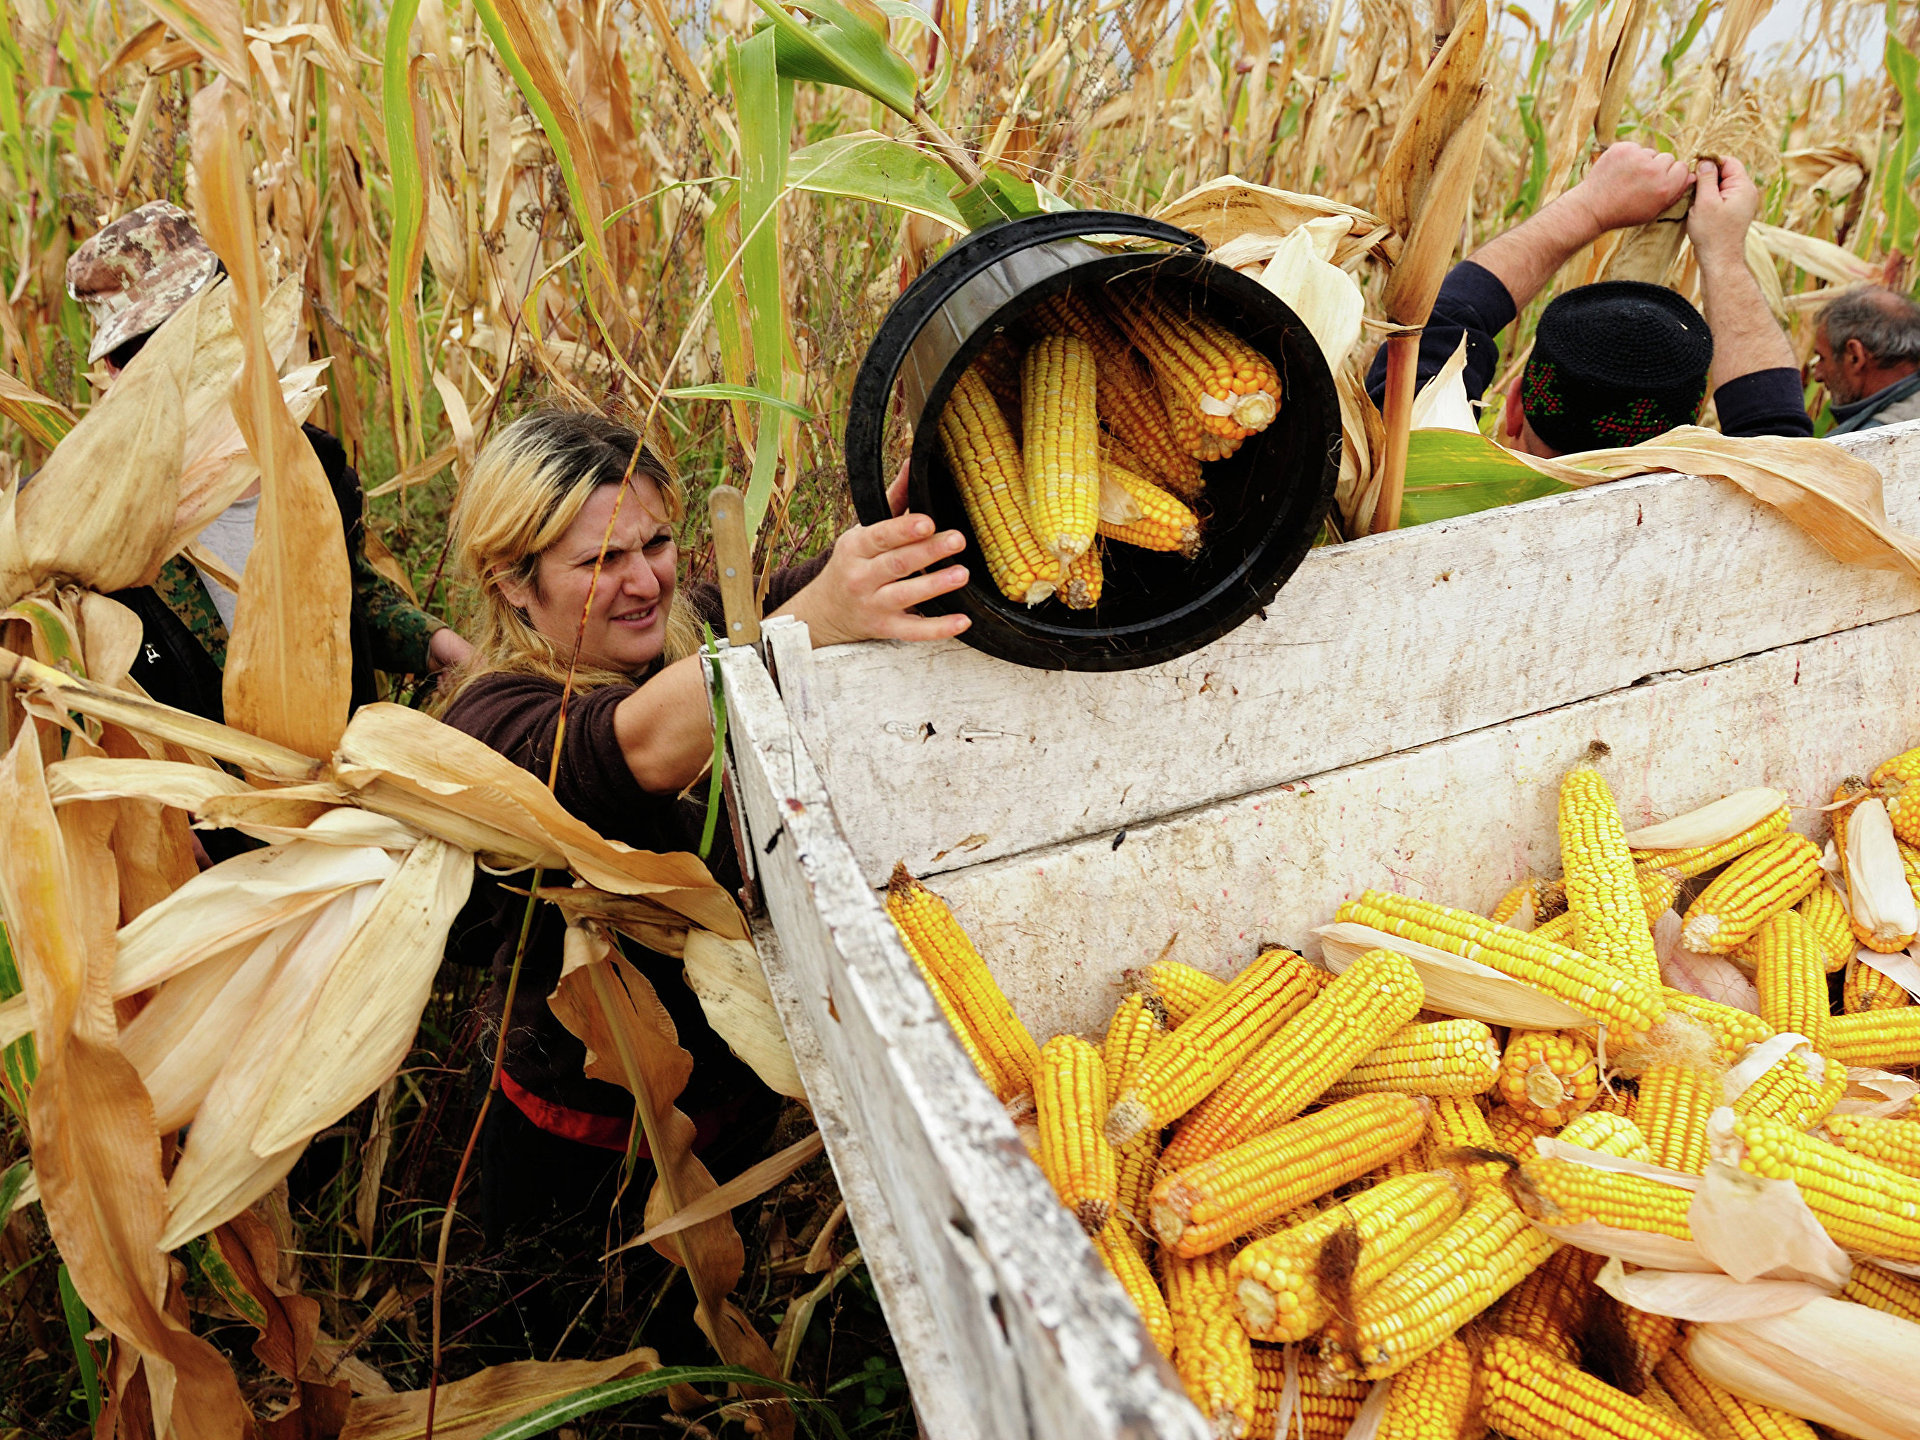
1263,506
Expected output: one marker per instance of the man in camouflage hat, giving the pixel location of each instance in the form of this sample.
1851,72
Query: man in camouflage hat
132,277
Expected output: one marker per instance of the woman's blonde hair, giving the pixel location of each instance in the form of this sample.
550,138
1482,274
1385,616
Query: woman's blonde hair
525,490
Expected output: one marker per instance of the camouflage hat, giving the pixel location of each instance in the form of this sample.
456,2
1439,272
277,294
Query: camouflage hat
136,272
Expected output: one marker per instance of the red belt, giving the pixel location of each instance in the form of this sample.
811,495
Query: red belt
603,1132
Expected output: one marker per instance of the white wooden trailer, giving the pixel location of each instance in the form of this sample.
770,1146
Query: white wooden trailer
1399,717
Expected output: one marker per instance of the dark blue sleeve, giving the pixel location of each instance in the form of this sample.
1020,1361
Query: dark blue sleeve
1766,402
1472,300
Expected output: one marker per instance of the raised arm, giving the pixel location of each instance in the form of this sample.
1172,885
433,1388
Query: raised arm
1628,185
1746,337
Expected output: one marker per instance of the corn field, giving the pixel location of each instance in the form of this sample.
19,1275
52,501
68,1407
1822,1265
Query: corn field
491,204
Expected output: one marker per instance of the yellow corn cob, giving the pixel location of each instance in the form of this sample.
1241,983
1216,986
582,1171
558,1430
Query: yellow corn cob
1129,403
1613,1100
1883,1290
1550,1307
1513,1133
1904,766
1375,996
1790,970
1407,1162
1560,1192
1649,1339
1548,1076
1210,1350
1526,892
1481,1256
1732,1029
1163,523
923,917
1609,1135
1895,778
1658,888
1457,1129
1625,1004
1603,893
1184,1067
1236,1191
1086,579
1433,1398
1135,1025
1671,1111
1440,1057
1721,1412
1181,990
1894,1143
1528,1394
1657,1397
1070,1104
1323,1406
998,367
1206,373
1137,1022
1061,452
1703,858
989,1072
1114,1245
1879,1039
1826,917
1788,1092
1280,1280
1759,884
1866,989
1862,1204
985,461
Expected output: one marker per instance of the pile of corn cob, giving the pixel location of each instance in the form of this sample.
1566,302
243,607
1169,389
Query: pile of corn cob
1328,1177
1115,411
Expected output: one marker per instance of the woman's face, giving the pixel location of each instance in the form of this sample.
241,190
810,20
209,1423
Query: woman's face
626,627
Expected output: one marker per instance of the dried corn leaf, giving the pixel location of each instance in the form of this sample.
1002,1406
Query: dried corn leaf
1821,258
38,899
1224,209
1428,253
1436,112
45,419
184,1033
170,782
473,1408
731,985
212,28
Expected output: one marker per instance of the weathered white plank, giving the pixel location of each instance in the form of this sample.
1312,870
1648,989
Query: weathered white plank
1458,821
945,757
1040,1341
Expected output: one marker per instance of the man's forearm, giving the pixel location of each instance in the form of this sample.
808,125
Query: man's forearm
1746,337
1526,257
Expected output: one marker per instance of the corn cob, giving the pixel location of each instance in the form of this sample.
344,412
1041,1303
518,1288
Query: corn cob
1883,1290
1528,1394
1902,767
1433,1398
1513,1133
1657,887
1702,858
998,367
1903,797
1280,1280
1136,1024
1609,1135
1480,1257
1626,1005
1209,377
1070,1104
1867,989
1862,1204
1184,1067
1721,1412
1086,579
1440,1057
1603,893
1656,1396
1671,1111
1879,1039
1181,990
1323,1406
1550,1307
1407,1162
1210,1350
1456,1130
1236,1191
923,917
989,1072
1649,1339
1114,1245
985,461
1129,403
1826,917
1894,1143
1548,1076
1790,970
1759,884
1155,519
1527,892
1560,1192
1613,1100
1732,1029
1788,1092
1062,445
1376,995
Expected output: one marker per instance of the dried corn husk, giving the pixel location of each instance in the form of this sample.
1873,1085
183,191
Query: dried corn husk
1712,823
1454,986
1878,895
1326,298
1829,1361
731,985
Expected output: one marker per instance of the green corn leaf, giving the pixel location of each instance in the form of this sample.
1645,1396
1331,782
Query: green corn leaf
12,1181
1452,473
837,47
619,1392
716,776
867,165
79,1322
724,287
1536,181
740,392
1902,216
409,214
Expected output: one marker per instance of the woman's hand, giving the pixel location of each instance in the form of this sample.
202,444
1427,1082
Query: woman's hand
872,582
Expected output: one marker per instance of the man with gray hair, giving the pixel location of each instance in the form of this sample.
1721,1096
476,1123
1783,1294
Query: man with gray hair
1866,351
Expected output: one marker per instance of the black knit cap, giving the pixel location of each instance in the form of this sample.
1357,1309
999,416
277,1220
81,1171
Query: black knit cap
1614,364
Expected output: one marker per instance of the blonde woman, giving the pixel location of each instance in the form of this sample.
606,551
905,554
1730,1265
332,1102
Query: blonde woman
529,528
